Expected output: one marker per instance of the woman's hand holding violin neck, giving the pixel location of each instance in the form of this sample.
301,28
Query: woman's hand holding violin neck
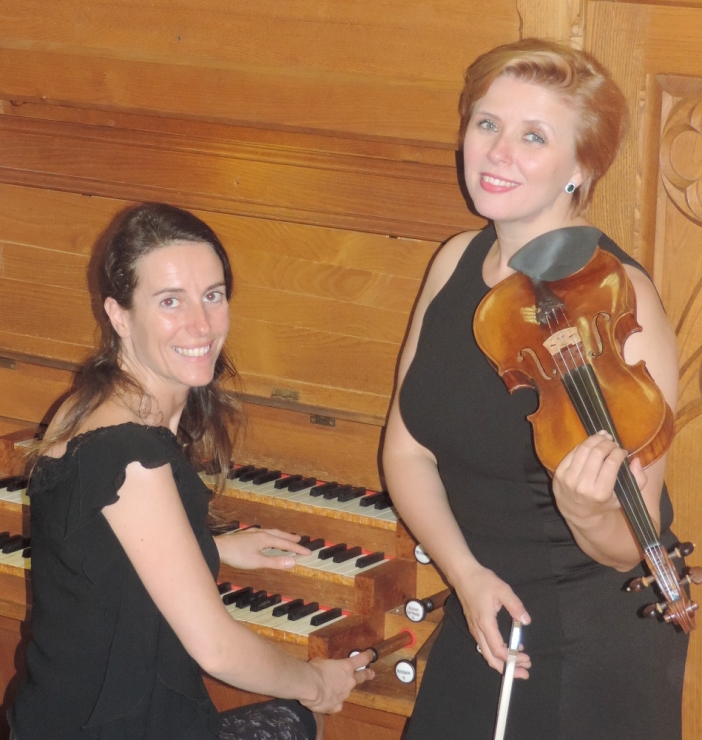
583,483
335,680
245,549
482,594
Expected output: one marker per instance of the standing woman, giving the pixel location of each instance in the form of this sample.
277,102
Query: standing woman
126,610
541,123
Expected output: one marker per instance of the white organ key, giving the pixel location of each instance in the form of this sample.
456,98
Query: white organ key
16,560
264,618
313,560
18,496
303,497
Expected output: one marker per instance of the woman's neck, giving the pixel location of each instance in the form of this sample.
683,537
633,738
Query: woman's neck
511,237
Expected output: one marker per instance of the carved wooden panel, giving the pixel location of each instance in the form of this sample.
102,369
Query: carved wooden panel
681,157
651,201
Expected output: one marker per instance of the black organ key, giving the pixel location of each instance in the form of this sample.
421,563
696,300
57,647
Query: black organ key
322,488
4,537
27,552
380,500
300,485
285,608
232,596
260,604
238,472
366,560
251,474
385,502
243,601
325,617
310,544
225,587
303,611
268,477
352,552
352,493
329,552
9,480
371,499
287,482
21,544
11,544
331,493
17,484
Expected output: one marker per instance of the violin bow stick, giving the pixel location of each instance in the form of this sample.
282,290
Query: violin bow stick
515,636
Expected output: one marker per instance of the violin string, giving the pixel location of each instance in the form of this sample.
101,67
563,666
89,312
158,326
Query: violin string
592,402
585,387
580,382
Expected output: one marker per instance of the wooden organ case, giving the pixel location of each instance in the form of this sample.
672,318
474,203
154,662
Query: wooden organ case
318,139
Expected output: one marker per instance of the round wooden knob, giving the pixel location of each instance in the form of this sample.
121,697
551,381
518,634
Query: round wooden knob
652,610
683,549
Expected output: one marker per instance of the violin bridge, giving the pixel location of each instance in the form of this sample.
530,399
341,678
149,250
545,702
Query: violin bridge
560,340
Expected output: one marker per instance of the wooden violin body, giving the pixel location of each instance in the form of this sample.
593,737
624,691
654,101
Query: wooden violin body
565,338
604,313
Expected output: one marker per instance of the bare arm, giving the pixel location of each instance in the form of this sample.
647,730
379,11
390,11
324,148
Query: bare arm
584,482
414,483
151,524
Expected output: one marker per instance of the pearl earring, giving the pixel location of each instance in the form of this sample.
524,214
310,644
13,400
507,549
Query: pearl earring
570,188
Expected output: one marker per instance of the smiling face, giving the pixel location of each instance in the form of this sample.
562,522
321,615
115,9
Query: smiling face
175,330
519,154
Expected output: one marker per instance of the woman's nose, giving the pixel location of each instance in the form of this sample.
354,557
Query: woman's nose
500,151
198,320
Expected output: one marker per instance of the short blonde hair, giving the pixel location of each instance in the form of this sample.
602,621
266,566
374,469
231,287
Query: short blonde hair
579,79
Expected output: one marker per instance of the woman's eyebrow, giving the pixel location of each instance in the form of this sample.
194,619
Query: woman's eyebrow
220,284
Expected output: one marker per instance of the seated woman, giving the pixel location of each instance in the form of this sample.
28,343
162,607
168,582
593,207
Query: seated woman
540,125
126,610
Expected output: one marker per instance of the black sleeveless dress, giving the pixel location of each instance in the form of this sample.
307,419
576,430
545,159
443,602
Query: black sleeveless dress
599,671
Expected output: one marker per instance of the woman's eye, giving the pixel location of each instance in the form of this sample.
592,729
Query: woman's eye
214,296
536,138
487,124
169,302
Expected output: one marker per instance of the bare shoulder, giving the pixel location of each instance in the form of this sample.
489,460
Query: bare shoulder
109,413
446,260
655,344
650,311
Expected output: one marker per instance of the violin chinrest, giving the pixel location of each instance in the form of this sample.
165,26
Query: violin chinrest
557,254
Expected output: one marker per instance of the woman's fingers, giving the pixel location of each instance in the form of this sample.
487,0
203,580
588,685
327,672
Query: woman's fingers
590,469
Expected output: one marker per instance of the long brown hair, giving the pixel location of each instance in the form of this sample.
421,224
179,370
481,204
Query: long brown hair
211,416
579,79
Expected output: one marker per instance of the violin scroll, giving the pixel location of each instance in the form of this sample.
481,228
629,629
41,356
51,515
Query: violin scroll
681,610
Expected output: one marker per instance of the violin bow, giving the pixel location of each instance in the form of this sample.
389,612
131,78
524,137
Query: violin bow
507,680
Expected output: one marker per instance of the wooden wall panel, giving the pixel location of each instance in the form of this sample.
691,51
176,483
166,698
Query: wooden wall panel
661,74
30,391
360,193
355,66
320,313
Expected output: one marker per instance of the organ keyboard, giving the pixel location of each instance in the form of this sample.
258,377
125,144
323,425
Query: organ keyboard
348,593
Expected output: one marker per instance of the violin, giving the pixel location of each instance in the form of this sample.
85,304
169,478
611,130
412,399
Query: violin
558,326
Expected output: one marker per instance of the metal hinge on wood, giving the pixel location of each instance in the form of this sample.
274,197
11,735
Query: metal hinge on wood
325,421
286,393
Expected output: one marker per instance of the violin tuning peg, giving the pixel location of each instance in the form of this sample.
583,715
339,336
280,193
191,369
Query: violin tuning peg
653,610
639,584
694,575
682,550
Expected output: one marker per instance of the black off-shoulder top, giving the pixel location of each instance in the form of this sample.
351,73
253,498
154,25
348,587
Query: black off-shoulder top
103,662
